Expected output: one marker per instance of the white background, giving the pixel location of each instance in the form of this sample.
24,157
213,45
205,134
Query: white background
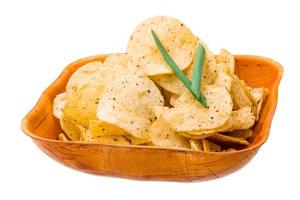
39,38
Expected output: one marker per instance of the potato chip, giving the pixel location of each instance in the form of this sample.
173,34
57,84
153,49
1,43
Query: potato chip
70,128
83,93
171,83
196,145
163,135
137,141
63,137
229,150
209,146
174,35
223,79
86,85
58,105
226,58
101,128
239,95
229,139
247,133
110,140
127,103
190,115
197,135
239,119
258,96
83,76
117,60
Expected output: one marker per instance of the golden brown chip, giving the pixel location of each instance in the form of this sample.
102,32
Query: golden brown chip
137,141
258,96
239,94
209,146
229,139
247,133
163,135
63,137
197,135
196,145
101,128
174,35
70,128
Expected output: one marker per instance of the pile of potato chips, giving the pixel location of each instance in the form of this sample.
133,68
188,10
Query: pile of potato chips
135,98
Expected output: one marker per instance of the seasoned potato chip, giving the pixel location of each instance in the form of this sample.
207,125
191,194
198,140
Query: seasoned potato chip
85,86
229,139
83,76
171,83
127,103
197,135
239,94
163,135
83,93
258,96
209,146
110,140
136,141
63,137
70,128
117,60
223,79
239,119
225,57
58,105
101,128
247,133
190,115
174,35
196,145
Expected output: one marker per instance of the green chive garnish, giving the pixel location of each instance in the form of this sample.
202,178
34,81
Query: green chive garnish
194,86
170,61
197,74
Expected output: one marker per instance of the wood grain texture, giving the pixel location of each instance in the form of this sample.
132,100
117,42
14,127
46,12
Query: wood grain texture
151,163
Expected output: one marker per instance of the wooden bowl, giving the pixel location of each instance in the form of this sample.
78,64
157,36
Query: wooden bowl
150,163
